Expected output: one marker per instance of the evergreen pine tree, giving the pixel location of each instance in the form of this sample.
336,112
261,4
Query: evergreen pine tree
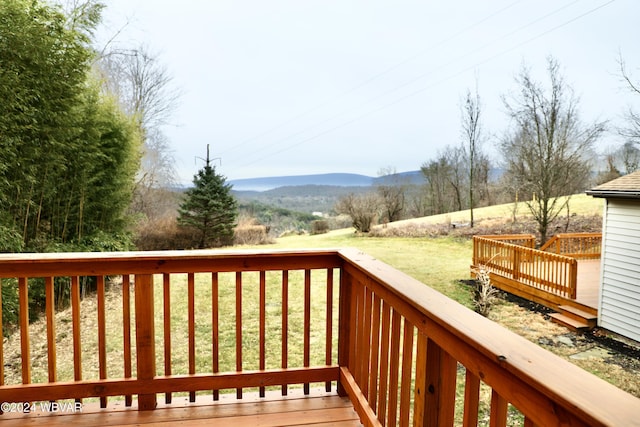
209,209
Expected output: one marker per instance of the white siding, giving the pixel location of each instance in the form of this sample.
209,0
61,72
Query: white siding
620,292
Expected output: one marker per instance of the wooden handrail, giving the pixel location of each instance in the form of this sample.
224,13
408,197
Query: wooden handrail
546,389
526,240
399,342
317,268
575,245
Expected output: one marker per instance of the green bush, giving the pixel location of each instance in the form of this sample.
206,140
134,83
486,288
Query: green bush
10,240
97,242
10,304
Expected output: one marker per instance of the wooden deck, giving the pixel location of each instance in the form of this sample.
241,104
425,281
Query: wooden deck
319,409
563,275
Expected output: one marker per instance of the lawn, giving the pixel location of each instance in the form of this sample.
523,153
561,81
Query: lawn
437,262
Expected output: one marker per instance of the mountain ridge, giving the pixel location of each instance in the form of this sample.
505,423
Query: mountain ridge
327,179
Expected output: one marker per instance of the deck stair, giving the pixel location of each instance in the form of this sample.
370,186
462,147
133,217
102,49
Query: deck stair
574,318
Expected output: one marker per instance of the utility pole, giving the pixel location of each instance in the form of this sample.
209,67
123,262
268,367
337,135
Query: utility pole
208,160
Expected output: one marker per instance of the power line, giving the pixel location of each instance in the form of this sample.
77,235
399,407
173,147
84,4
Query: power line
423,89
367,81
390,91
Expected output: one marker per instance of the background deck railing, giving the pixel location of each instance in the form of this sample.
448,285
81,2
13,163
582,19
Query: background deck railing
575,245
526,240
543,271
401,351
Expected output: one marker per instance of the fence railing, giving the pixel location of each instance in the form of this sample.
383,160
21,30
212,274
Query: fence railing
526,240
544,271
401,351
575,245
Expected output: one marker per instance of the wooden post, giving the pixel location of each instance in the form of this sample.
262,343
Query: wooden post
25,348
51,328
573,279
441,386
102,334
476,243
344,330
145,337
516,263
499,408
471,400
285,325
191,326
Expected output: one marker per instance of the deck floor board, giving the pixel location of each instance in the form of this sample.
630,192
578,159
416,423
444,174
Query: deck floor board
328,410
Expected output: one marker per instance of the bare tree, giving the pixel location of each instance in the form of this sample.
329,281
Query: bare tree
391,190
446,180
546,152
620,161
362,208
632,130
475,161
457,177
629,157
142,84
145,90
435,173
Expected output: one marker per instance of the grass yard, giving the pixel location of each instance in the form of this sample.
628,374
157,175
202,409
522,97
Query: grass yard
438,262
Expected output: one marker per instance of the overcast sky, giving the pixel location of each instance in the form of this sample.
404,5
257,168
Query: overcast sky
293,87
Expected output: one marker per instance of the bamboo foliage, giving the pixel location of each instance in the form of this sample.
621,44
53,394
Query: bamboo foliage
68,154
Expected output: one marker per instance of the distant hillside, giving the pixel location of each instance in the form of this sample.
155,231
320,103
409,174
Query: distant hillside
300,198
269,183
329,179
312,193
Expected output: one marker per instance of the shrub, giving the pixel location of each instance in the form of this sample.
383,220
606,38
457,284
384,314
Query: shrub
250,232
485,294
10,240
163,234
319,226
10,304
362,208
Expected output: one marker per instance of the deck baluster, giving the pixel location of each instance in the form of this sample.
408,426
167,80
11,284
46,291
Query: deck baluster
191,320
285,326
239,329
145,337
166,303
215,328
126,332
25,346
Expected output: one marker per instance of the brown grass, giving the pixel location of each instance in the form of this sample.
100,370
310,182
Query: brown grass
250,232
524,225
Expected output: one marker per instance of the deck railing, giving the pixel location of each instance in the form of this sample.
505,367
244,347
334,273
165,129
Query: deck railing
543,271
526,240
401,351
575,245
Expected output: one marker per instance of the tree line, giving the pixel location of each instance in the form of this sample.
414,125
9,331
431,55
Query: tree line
547,152
83,155
82,149
69,153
